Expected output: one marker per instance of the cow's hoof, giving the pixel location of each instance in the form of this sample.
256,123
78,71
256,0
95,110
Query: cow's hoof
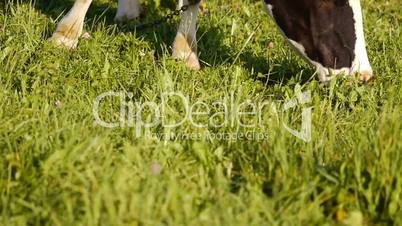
365,76
191,59
62,41
185,49
120,18
126,12
192,62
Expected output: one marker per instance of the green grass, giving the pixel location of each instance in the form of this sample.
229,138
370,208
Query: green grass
58,168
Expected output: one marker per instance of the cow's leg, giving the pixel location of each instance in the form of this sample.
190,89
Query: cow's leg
127,10
70,27
361,65
331,37
185,43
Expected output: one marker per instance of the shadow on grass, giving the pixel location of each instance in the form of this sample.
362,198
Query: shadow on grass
271,70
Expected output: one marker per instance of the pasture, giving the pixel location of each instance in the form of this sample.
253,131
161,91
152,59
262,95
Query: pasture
59,167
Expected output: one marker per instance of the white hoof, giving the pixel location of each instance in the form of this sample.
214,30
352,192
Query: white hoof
365,76
63,41
192,62
127,10
183,49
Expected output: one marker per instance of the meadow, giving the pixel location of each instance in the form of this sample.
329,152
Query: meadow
59,167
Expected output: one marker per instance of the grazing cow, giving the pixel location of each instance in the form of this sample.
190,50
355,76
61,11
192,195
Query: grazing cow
327,33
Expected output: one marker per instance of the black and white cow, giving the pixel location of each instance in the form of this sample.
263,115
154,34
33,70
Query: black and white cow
327,33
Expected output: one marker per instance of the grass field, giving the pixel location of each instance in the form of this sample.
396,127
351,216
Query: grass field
58,167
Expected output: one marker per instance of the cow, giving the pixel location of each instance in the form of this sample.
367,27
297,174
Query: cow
327,33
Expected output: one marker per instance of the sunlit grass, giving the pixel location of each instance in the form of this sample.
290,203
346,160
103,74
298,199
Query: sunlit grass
59,168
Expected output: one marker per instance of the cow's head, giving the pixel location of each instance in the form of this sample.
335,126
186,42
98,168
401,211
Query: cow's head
328,33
